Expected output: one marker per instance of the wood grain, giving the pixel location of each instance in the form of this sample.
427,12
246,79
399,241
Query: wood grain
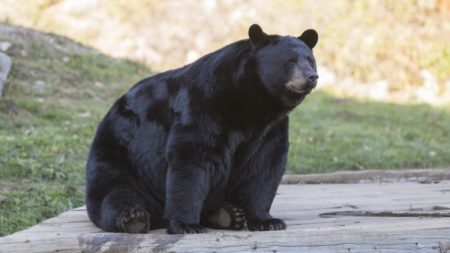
299,205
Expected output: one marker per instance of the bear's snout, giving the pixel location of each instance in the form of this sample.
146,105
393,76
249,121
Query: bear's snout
301,82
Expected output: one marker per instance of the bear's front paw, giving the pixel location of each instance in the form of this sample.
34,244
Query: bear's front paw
176,227
265,225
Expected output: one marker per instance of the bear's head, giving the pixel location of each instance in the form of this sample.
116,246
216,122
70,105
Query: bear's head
285,65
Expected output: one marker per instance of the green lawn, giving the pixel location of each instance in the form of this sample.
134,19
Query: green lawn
330,134
43,148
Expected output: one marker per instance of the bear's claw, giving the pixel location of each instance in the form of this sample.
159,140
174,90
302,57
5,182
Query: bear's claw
176,227
266,225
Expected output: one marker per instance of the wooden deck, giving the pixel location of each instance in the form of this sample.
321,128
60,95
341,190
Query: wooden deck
419,223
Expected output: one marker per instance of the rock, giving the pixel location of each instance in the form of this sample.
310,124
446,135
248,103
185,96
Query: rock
39,87
5,67
5,45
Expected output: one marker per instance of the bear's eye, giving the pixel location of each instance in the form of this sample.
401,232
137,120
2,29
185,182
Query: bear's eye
293,60
310,60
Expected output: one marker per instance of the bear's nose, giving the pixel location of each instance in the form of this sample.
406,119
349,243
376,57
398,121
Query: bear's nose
311,80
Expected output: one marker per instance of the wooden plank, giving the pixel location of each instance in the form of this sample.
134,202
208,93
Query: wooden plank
340,240
371,176
299,205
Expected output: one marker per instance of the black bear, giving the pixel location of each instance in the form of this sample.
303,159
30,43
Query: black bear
204,145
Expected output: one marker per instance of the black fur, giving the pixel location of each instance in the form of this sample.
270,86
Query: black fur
180,145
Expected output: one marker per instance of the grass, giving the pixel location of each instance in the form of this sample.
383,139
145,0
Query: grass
43,148
367,40
329,134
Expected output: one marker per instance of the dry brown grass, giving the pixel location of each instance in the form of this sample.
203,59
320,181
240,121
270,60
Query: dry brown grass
403,44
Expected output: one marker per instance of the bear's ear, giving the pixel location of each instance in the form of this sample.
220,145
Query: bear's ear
310,37
257,36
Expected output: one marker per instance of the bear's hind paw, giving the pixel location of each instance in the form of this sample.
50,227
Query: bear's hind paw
134,220
228,216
